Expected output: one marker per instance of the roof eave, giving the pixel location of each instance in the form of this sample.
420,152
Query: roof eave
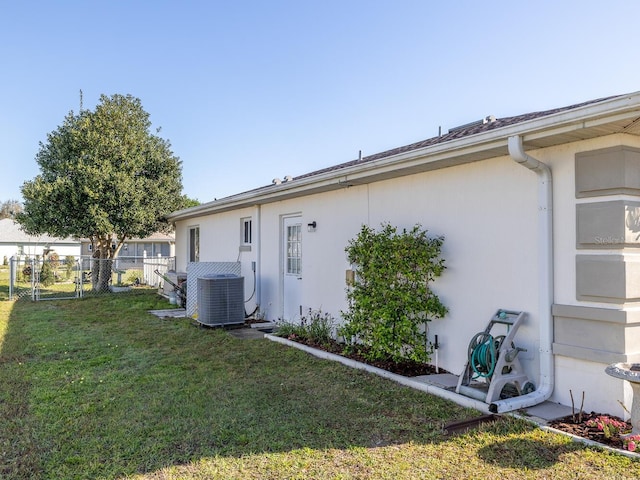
580,123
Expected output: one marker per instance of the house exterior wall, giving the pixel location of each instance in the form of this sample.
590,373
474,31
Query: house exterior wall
338,216
137,248
220,241
487,211
481,210
33,249
596,306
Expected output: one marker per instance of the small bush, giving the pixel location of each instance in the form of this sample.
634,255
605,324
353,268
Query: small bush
47,276
69,263
391,300
133,275
54,260
316,327
26,274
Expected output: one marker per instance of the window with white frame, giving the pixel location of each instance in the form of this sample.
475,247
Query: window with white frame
294,252
245,231
194,244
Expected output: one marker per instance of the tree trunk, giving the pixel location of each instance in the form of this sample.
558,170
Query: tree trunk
102,261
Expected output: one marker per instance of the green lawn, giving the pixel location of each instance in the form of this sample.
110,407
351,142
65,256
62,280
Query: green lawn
4,282
98,388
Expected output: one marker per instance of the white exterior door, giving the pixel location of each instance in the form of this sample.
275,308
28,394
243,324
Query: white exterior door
292,268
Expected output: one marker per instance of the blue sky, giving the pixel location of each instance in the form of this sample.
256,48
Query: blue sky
246,91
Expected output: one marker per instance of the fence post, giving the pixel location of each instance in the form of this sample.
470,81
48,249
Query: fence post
79,275
12,275
146,277
33,280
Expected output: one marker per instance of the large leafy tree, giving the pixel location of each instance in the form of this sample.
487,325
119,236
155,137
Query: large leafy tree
10,208
103,176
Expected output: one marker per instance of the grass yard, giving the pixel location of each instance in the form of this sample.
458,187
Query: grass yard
4,282
97,388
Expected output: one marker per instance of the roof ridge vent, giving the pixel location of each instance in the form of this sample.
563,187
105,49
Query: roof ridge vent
477,123
276,181
287,178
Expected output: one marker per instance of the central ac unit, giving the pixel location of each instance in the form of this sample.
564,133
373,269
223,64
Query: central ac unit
220,300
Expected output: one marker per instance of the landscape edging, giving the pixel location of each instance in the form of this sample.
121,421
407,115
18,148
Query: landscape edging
439,392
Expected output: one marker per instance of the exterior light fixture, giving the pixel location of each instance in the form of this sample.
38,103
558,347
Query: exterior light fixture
311,227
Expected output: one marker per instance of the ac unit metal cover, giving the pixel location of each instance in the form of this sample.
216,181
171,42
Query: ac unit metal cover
221,300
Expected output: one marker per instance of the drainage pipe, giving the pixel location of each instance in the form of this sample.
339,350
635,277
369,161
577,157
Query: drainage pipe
257,274
545,280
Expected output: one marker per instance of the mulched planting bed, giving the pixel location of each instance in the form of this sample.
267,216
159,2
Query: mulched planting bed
570,424
407,368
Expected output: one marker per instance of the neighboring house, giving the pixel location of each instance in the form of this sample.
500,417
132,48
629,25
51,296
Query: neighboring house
562,251
14,242
133,253
156,244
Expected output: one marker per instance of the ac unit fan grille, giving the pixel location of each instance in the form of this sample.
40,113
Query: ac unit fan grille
221,300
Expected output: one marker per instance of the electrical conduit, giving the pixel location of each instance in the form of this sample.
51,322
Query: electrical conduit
545,280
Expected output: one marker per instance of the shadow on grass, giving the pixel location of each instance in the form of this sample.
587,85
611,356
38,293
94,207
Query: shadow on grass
99,388
524,453
18,446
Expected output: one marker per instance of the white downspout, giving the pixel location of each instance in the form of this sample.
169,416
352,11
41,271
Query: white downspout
545,280
258,244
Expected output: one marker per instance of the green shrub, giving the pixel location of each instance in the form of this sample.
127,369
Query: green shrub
132,275
316,327
47,276
390,301
26,274
53,259
69,263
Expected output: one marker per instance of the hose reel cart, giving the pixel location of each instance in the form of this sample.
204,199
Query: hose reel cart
493,370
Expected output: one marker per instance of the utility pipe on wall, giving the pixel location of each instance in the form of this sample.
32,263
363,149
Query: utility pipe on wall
257,229
545,280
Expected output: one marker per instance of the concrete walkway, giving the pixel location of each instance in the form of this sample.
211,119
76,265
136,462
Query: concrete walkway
169,313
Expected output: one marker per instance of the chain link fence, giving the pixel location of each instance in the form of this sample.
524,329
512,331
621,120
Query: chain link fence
77,276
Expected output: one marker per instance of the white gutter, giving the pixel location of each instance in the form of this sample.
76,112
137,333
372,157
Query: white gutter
545,280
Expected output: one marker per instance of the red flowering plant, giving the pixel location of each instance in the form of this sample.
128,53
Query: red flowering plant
631,442
609,426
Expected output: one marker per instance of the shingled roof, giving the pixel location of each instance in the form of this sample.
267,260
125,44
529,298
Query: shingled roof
455,133
11,232
475,141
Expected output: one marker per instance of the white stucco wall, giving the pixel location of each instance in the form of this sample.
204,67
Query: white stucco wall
487,212
602,393
219,242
